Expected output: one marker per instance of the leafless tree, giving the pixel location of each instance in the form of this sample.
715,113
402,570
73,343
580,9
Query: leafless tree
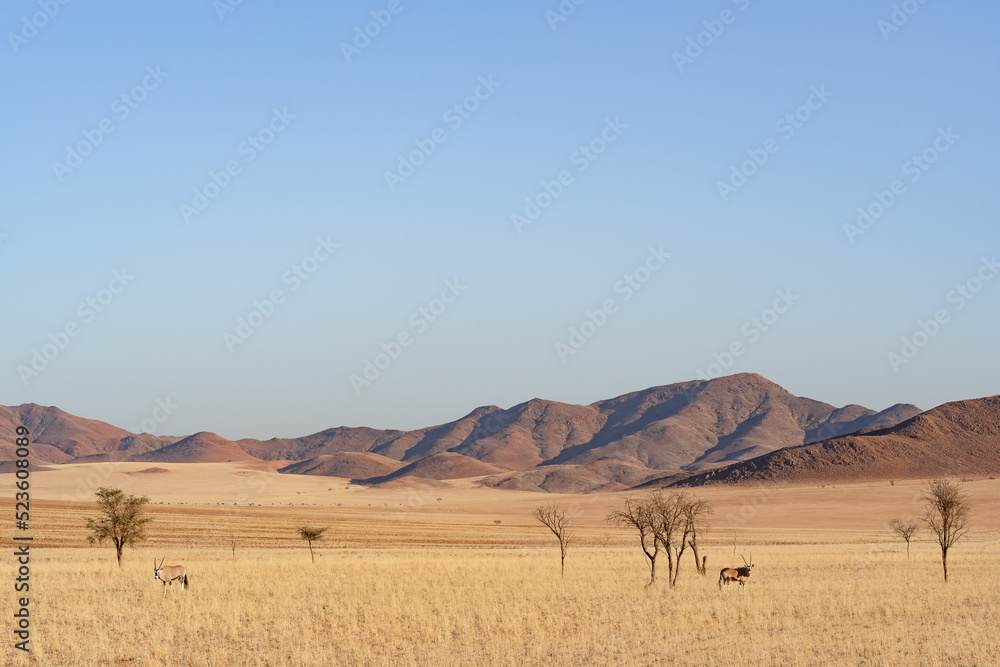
670,519
123,521
638,515
905,530
311,535
696,513
667,523
554,518
947,515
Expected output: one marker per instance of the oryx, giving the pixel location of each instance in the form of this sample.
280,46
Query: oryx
740,574
169,574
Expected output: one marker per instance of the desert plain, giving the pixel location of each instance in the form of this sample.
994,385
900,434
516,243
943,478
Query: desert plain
432,573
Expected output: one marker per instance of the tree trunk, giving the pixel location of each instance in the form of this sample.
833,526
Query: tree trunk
118,553
313,557
944,561
907,550
652,571
698,564
671,570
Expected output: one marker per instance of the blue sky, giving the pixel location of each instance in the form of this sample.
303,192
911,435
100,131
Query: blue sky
804,112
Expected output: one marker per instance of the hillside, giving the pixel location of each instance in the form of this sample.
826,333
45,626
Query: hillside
689,426
953,440
349,465
441,466
59,437
201,447
545,445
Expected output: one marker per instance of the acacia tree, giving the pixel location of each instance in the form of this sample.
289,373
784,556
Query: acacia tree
554,518
311,535
123,520
905,530
947,515
637,514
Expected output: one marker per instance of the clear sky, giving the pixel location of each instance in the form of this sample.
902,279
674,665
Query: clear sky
463,187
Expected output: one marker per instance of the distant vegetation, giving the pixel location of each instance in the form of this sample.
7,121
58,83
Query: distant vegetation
311,535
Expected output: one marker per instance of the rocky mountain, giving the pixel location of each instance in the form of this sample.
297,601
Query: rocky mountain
203,447
59,437
536,445
953,440
349,465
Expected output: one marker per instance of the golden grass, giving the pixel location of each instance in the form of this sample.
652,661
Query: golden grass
806,604
399,582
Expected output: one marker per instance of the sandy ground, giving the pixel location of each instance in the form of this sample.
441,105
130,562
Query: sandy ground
864,506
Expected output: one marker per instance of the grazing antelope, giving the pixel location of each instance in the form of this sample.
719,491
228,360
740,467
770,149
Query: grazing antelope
740,574
169,574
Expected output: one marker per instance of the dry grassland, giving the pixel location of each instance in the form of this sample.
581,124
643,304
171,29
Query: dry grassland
399,582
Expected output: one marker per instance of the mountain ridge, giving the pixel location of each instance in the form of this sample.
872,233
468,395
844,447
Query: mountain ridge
686,427
960,438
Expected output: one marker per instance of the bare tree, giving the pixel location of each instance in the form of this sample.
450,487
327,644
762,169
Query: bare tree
696,513
123,521
947,515
667,523
637,514
311,535
670,518
905,530
554,518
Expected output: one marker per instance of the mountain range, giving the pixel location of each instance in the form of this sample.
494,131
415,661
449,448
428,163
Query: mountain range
953,440
673,431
